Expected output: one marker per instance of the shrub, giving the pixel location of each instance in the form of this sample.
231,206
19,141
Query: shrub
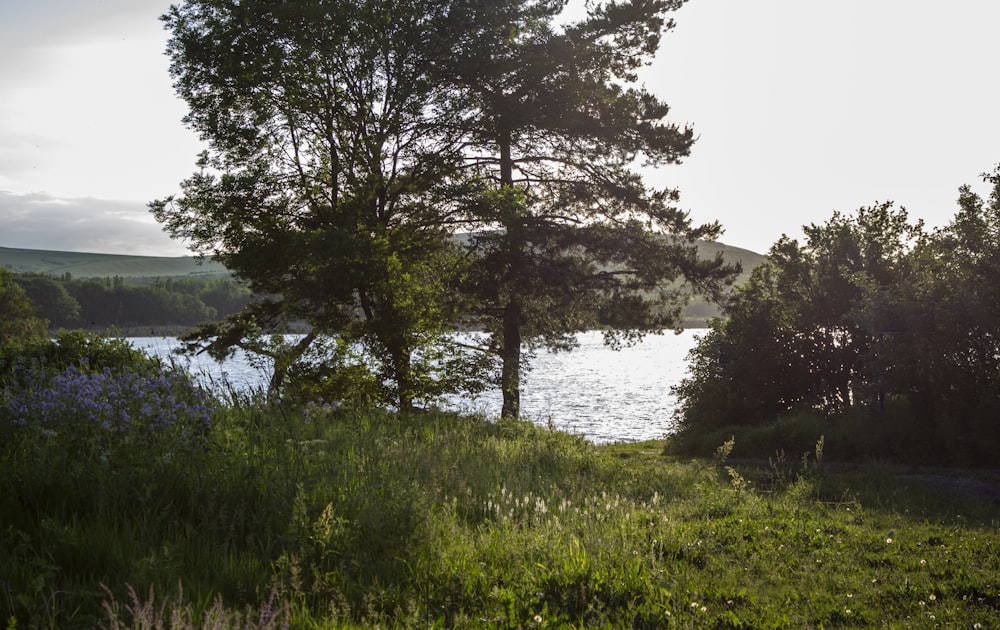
99,412
19,323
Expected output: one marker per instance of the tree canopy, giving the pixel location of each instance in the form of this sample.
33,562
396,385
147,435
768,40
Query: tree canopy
325,183
385,170
568,235
19,322
871,315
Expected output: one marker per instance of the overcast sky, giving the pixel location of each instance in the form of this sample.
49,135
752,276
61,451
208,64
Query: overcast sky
802,107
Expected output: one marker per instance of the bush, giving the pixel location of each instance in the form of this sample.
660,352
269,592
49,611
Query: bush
19,323
97,414
870,321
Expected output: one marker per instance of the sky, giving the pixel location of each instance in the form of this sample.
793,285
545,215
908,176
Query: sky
801,108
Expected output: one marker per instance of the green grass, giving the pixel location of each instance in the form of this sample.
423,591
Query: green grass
365,519
96,265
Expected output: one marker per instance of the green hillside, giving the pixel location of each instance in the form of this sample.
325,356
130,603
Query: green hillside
137,268
697,313
85,265
745,257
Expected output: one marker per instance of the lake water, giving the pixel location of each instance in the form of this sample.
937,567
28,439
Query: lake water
601,394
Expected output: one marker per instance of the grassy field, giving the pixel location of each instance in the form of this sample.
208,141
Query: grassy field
325,518
85,265
89,265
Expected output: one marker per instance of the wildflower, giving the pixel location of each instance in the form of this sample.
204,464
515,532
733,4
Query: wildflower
888,541
703,609
538,619
933,597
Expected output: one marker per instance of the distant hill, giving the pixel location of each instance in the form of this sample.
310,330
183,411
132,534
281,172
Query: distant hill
87,265
84,265
137,268
697,313
745,257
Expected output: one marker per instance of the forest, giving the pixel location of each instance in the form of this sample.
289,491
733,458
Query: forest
131,304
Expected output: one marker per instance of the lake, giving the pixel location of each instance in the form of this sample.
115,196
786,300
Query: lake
601,394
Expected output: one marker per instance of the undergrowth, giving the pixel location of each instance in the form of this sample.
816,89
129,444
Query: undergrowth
281,517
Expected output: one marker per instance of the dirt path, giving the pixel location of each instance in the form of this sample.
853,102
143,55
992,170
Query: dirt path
986,486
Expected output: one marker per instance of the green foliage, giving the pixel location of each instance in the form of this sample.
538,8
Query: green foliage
350,143
871,317
50,298
122,302
567,236
89,352
327,518
19,322
112,302
328,186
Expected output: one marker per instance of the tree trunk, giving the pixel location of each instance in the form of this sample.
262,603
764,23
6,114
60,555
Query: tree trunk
283,362
404,383
510,353
510,373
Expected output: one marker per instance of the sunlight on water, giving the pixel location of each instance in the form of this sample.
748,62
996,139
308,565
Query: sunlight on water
601,394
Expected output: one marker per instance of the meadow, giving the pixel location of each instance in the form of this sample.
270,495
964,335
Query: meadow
129,499
95,265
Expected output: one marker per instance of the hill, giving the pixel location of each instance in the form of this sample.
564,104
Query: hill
699,311
90,265
145,268
749,259
93,265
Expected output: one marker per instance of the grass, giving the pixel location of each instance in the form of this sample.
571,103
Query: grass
290,518
87,265
96,265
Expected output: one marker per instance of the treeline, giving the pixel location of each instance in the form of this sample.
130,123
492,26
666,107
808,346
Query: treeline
874,332
92,303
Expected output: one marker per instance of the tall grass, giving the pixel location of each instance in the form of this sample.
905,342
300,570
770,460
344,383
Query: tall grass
279,517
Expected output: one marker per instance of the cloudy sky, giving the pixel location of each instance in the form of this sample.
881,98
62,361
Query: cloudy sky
802,107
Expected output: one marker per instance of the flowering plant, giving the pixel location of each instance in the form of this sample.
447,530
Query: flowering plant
99,412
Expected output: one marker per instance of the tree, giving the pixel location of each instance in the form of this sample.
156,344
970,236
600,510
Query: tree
872,317
953,362
52,299
811,328
19,323
326,183
566,234
350,141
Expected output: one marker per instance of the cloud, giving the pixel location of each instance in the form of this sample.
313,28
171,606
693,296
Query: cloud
88,107
40,221
31,31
